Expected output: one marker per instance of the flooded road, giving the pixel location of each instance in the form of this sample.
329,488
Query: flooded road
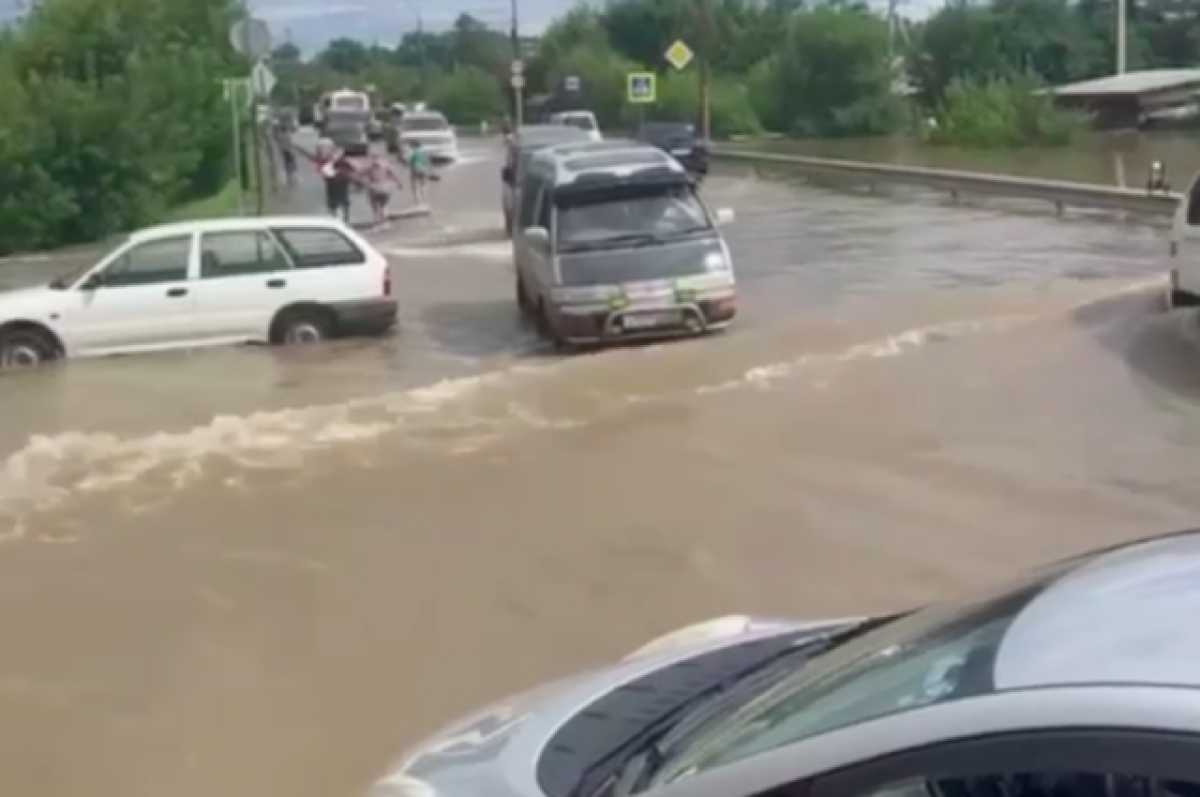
255,573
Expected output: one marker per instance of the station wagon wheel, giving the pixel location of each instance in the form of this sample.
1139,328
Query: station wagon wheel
302,326
22,348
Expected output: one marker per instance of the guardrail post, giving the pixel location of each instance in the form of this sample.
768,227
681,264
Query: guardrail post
1059,208
954,195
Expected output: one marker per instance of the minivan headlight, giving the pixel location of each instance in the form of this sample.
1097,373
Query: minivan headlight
715,261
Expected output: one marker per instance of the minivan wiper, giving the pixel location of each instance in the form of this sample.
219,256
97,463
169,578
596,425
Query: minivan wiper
627,239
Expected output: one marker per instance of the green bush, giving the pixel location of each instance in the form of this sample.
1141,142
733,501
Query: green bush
999,113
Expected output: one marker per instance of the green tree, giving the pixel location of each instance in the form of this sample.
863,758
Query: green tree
832,77
601,71
113,114
468,95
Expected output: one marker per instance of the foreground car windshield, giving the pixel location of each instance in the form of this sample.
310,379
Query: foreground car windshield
931,656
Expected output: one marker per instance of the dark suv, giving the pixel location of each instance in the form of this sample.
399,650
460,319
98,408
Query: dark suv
679,139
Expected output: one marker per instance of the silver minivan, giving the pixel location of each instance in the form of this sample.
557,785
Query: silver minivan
613,243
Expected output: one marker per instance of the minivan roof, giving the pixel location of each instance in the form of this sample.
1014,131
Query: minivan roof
566,163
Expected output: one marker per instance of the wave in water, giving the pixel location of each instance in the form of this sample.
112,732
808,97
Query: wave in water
54,469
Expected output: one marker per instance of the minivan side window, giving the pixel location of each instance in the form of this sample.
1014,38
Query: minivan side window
529,198
319,247
544,208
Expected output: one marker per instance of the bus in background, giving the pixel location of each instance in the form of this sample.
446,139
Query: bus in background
341,101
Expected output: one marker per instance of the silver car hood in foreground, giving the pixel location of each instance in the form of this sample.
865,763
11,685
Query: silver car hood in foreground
496,752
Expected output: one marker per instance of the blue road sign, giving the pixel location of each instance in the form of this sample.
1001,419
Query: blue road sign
641,88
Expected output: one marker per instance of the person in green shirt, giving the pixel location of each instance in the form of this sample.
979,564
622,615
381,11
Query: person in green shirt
419,166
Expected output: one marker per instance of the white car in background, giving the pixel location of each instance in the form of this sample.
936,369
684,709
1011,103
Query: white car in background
276,280
432,130
582,120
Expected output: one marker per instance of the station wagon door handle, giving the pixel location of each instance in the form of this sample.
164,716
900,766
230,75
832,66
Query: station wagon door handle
276,283
175,293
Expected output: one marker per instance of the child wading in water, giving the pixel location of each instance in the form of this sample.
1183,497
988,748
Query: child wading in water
419,166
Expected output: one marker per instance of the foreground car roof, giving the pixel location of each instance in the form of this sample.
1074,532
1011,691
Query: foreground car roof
1127,616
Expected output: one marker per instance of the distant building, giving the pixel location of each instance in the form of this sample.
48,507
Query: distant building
1135,99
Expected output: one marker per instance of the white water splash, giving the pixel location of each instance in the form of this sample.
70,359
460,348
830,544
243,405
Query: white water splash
52,469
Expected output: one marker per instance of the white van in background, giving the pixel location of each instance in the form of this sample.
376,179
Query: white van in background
583,120
1184,288
431,128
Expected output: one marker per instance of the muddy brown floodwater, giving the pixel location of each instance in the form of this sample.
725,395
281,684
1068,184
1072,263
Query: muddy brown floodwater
255,573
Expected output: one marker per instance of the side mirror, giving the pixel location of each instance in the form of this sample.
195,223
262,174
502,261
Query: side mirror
537,236
92,282
724,216
506,174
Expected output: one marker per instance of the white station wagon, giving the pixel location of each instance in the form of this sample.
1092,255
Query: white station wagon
276,280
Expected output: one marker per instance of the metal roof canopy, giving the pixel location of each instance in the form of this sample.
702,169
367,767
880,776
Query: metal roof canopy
1130,84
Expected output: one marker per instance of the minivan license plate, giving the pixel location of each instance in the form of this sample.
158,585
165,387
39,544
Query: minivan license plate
649,320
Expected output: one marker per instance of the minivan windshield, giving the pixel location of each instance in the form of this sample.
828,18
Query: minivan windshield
612,216
602,233
934,655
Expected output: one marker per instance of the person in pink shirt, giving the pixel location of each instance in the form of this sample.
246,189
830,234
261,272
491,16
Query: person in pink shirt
380,178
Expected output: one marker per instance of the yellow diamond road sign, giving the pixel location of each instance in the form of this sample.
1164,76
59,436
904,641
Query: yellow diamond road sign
679,55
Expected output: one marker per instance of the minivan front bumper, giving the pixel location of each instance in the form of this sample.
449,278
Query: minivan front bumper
600,324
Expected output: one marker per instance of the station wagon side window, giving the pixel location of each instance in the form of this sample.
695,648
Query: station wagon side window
239,254
150,263
1075,763
317,247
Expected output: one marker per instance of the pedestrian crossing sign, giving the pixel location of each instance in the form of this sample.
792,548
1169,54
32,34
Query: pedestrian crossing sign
641,88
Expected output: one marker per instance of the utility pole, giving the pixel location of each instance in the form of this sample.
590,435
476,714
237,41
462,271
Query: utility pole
423,65
518,100
704,29
1122,36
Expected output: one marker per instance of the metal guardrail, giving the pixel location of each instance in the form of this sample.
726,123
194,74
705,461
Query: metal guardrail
1061,194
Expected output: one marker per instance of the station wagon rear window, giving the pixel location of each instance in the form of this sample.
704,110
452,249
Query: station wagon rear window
316,247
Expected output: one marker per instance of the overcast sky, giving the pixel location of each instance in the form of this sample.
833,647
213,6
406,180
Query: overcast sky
311,23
